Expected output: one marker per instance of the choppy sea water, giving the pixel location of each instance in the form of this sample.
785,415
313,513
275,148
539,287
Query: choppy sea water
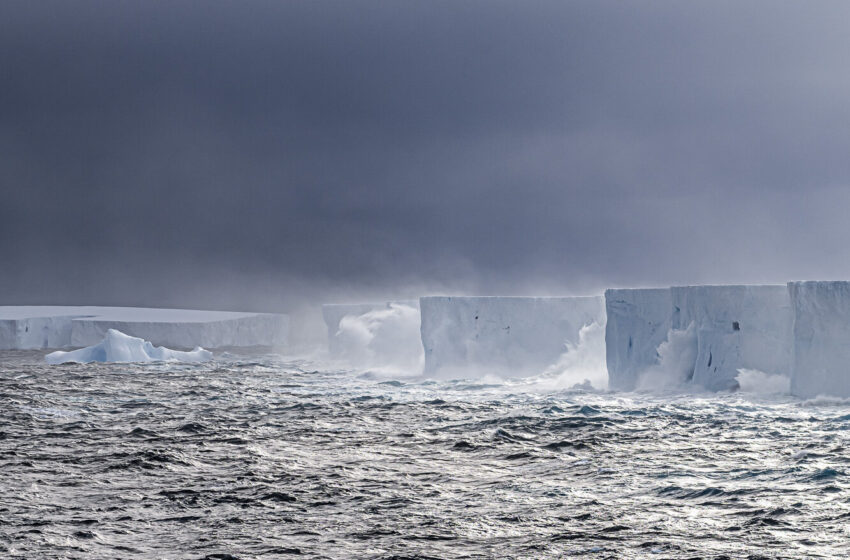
260,457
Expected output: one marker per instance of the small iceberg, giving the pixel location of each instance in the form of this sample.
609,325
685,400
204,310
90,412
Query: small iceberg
119,347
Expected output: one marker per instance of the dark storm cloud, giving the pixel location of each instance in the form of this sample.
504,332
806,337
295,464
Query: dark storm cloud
248,154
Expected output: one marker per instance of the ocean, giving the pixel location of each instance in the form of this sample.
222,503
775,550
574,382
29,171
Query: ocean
265,456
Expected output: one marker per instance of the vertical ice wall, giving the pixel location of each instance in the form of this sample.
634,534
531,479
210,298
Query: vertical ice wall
503,335
821,358
257,329
31,326
638,322
736,327
35,332
28,327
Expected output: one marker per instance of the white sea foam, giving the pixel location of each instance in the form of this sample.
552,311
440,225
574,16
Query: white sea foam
826,400
759,382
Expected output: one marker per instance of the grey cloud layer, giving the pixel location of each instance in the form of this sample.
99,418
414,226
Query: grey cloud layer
222,154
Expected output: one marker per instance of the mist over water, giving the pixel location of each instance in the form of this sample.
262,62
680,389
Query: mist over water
755,381
386,339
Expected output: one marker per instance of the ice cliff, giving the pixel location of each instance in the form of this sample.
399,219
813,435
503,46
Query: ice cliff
638,323
821,358
26,327
737,327
502,335
698,335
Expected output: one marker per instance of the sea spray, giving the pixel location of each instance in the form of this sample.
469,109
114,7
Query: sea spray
583,362
383,338
761,383
676,357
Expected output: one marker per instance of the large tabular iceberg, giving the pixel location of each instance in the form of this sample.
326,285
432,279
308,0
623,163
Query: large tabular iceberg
821,364
119,347
25,327
638,323
697,335
502,335
737,327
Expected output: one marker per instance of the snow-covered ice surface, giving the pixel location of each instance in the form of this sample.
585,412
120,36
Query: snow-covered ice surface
638,323
119,347
737,327
273,457
25,327
505,336
821,338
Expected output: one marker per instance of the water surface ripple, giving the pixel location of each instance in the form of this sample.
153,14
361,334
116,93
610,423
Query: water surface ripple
259,457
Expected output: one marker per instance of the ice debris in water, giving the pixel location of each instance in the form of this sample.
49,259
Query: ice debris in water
119,347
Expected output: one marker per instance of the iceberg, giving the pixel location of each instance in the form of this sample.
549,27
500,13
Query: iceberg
638,323
702,336
737,327
29,327
502,335
119,347
821,356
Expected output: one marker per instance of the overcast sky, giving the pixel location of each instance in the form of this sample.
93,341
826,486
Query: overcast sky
251,154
